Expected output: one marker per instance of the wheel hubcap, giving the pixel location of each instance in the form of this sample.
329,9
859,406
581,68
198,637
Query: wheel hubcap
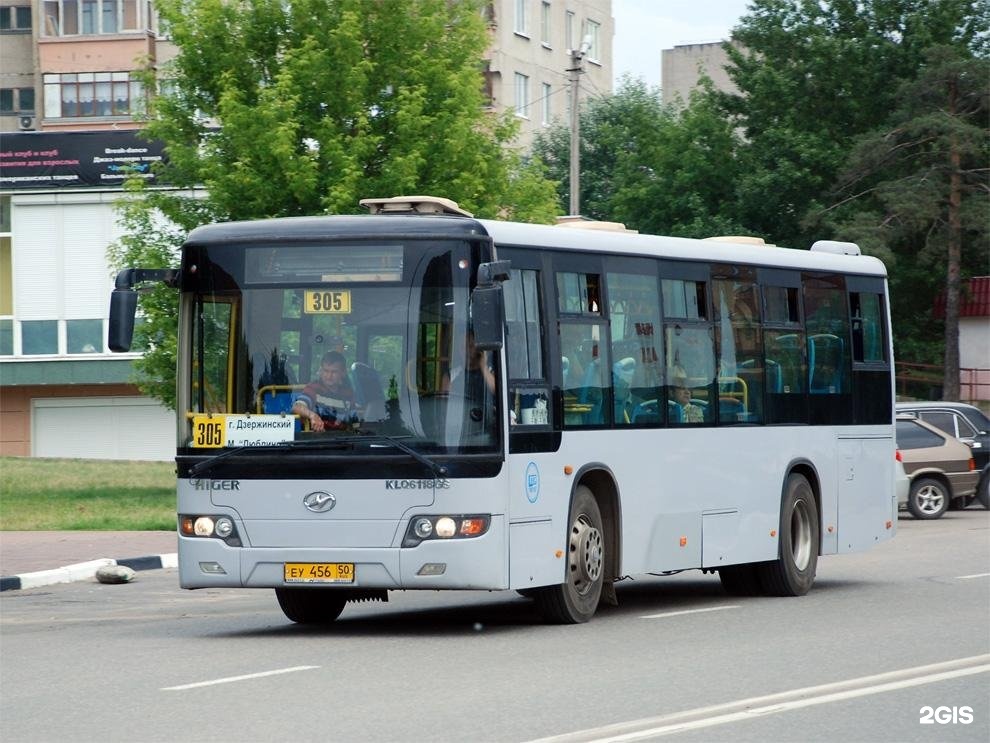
586,554
801,535
930,499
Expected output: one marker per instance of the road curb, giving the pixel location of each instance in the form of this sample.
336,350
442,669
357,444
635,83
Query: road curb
85,571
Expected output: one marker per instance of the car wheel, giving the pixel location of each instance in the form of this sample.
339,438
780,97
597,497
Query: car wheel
929,498
983,491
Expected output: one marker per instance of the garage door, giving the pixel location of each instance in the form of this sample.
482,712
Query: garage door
102,428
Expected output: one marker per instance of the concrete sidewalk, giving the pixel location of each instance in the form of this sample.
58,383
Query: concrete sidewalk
60,556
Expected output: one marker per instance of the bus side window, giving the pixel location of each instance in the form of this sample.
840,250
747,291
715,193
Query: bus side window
634,320
588,387
740,351
784,347
529,394
867,327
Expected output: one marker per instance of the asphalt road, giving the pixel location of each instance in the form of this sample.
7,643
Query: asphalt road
882,635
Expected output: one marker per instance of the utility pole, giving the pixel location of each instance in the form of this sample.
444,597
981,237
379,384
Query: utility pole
575,70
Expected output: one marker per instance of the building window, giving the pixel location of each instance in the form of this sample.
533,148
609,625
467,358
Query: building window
545,105
81,94
569,30
593,32
522,95
6,337
84,336
16,100
16,19
39,337
545,23
73,17
522,17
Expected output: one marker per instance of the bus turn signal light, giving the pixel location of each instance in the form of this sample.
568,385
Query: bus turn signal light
472,527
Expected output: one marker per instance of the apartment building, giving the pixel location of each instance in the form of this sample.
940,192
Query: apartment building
682,67
528,69
68,105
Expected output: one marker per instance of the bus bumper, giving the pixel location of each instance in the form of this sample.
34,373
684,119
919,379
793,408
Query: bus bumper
475,563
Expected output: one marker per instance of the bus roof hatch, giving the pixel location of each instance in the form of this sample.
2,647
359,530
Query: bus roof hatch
414,205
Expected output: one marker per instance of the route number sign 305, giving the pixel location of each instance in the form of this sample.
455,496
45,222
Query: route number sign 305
316,302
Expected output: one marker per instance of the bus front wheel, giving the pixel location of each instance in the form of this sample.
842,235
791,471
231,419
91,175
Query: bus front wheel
310,605
576,599
793,572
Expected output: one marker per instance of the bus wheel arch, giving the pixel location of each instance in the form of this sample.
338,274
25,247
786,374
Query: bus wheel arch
799,535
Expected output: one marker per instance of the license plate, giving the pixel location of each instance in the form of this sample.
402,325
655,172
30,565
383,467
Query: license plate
319,572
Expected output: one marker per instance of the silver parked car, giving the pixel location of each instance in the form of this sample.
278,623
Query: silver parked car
941,468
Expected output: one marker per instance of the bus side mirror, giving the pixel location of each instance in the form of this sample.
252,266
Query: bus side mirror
123,306
486,317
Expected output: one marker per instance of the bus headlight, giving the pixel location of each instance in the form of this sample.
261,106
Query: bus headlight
422,528
203,527
215,526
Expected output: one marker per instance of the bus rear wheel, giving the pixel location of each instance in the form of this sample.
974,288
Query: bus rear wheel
576,599
793,572
310,605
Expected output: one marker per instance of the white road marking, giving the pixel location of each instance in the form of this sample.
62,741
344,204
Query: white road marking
746,709
975,575
231,679
666,614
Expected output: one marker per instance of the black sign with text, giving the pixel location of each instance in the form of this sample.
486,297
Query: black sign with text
74,159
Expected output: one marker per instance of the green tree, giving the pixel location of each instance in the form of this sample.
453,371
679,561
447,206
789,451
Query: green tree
812,76
917,190
657,168
278,108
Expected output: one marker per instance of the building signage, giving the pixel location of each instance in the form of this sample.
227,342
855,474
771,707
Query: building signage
73,159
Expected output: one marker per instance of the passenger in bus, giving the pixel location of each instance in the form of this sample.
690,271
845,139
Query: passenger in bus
328,401
680,394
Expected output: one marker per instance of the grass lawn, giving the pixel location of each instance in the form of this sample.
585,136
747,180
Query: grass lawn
44,494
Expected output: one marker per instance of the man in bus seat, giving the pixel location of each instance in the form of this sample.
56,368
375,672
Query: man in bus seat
680,394
328,401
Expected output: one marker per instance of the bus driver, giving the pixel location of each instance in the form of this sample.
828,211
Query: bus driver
328,401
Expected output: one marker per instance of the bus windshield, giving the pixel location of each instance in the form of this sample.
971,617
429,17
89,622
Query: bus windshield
295,342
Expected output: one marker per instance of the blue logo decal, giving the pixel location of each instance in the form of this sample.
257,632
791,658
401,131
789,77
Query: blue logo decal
532,482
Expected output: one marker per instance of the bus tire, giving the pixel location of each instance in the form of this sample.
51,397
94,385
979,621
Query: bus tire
741,580
576,599
793,572
929,498
311,605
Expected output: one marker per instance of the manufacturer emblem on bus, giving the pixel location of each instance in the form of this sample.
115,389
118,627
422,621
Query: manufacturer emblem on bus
319,502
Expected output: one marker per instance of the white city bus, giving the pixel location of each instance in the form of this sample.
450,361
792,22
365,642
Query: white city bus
658,404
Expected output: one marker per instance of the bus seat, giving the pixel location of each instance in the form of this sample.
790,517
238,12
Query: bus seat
646,412
278,399
825,362
368,392
775,379
729,409
675,413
